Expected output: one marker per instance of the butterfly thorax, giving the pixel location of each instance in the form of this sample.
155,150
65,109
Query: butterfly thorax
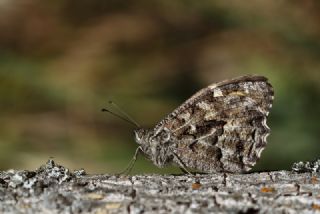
155,145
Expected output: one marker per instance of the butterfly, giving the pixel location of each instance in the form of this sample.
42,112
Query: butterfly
221,128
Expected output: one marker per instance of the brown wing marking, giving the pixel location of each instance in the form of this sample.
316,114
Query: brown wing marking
223,127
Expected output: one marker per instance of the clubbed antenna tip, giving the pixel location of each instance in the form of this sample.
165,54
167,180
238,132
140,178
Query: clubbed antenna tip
124,115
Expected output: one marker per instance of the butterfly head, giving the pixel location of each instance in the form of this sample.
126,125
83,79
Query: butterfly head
154,144
142,138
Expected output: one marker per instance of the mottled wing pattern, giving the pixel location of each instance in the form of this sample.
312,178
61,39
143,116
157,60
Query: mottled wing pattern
222,127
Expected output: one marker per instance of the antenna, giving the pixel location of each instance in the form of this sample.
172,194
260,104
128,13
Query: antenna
124,115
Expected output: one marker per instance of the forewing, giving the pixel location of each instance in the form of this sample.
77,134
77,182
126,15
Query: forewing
222,127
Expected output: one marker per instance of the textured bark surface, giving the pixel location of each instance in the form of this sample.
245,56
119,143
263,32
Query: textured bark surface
54,189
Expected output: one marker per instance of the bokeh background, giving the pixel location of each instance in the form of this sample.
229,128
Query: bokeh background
61,61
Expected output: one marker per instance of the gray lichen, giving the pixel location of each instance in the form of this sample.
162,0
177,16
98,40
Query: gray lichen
55,189
307,166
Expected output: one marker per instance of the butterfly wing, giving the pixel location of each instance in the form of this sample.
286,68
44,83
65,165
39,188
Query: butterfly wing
222,127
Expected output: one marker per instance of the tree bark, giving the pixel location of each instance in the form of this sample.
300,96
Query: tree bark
54,189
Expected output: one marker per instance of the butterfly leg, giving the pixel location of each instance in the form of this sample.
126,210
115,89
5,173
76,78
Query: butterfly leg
131,163
182,166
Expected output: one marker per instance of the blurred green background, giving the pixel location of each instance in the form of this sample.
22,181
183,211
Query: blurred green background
61,61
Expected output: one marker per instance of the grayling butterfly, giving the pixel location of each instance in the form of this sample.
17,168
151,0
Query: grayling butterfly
221,128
